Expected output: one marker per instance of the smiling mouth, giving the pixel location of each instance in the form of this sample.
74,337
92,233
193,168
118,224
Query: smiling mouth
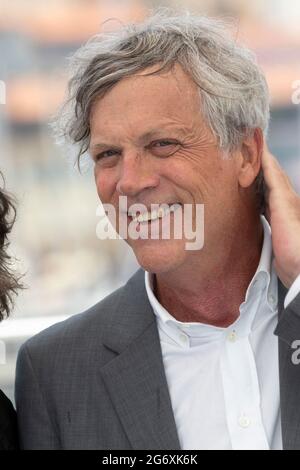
155,214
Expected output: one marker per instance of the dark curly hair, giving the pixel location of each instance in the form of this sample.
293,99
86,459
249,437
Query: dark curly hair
9,282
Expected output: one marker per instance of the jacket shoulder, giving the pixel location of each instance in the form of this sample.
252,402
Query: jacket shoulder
95,317
92,323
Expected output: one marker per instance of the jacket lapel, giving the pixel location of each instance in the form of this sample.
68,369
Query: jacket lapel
135,378
288,330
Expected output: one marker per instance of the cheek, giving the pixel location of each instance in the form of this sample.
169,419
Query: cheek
105,184
193,174
208,179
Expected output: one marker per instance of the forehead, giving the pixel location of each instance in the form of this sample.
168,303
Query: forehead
142,102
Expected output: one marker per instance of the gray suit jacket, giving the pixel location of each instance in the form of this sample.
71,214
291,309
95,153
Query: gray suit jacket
97,380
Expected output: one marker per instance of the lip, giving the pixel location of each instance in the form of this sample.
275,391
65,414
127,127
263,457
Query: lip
157,206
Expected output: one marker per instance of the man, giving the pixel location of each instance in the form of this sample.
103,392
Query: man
173,112
8,286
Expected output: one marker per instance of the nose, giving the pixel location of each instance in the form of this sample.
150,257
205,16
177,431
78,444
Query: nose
136,175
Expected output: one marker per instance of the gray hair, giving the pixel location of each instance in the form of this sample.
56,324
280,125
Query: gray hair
233,90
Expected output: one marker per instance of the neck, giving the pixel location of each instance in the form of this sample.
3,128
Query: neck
212,294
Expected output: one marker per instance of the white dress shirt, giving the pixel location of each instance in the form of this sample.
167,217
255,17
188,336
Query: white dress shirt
224,382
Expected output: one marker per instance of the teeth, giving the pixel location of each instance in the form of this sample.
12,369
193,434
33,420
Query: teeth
174,207
160,213
155,214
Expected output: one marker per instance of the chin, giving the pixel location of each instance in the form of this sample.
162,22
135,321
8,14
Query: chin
159,256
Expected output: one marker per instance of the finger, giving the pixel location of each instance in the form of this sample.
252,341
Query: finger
274,175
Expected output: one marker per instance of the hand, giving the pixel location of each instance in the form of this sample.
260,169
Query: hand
283,214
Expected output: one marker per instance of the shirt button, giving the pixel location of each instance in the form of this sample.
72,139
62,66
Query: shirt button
244,421
271,298
232,337
183,338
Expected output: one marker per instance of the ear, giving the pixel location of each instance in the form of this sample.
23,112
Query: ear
250,158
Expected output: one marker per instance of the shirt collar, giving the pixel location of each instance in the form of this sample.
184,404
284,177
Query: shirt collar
264,281
263,272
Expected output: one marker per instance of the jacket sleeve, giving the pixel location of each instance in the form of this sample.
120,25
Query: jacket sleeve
36,430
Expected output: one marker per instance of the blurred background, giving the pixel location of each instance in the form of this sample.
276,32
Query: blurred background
66,267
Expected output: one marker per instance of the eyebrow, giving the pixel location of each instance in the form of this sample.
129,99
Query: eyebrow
143,138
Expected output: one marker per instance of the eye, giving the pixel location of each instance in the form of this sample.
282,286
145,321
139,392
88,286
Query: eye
164,147
105,154
163,143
